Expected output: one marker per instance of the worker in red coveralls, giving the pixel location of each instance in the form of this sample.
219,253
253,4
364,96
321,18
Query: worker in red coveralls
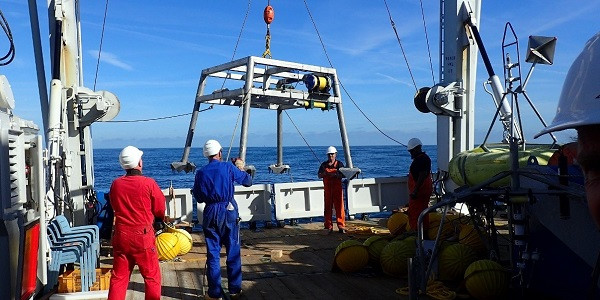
137,202
332,184
420,184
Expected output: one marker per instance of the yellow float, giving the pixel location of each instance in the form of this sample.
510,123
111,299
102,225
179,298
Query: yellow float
486,279
397,223
478,165
351,256
167,246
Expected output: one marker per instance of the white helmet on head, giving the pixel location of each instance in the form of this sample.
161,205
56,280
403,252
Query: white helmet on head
129,157
331,149
211,147
579,102
413,143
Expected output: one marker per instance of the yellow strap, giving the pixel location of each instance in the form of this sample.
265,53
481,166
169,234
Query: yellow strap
267,46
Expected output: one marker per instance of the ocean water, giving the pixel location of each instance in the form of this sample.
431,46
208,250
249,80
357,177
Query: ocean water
374,161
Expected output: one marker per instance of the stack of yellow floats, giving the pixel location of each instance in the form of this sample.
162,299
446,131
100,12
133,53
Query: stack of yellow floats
461,256
173,242
478,165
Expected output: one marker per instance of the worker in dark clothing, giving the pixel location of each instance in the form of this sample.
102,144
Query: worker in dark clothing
332,185
137,202
213,185
420,184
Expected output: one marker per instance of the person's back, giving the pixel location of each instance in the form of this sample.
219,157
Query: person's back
132,200
136,201
214,182
213,185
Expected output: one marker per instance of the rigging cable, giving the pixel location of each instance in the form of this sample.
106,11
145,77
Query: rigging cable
155,119
427,40
306,142
343,87
225,79
10,55
101,40
400,43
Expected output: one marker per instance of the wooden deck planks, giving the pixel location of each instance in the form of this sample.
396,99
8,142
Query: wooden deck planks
303,271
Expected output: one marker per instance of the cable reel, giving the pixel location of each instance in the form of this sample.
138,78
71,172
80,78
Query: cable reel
439,99
316,83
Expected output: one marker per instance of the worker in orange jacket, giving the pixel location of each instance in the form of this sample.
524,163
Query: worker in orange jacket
137,202
332,184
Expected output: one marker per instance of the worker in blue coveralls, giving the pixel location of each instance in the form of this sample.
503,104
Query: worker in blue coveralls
213,185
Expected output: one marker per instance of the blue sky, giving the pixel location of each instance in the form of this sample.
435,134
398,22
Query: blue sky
153,53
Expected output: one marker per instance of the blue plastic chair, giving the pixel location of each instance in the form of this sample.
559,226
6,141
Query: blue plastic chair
64,253
90,232
87,252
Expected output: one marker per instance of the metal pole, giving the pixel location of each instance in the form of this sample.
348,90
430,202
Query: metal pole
39,63
279,137
246,103
340,113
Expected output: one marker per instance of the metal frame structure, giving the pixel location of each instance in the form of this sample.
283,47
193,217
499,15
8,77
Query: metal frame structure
267,84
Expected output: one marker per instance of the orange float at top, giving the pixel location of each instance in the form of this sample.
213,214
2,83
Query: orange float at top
269,14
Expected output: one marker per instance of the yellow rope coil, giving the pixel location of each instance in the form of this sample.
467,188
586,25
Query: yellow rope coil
435,289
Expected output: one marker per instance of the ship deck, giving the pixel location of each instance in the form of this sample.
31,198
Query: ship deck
304,270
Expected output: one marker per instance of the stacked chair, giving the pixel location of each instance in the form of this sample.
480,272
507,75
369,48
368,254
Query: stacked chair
68,244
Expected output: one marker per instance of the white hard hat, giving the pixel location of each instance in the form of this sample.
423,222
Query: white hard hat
129,157
412,143
331,149
579,102
211,147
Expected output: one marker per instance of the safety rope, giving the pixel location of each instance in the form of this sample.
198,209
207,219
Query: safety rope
343,87
101,40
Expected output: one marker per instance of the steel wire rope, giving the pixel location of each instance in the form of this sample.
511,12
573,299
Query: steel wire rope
172,116
101,42
427,40
306,142
225,79
343,87
401,47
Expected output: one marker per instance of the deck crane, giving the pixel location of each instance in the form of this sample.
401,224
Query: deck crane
38,184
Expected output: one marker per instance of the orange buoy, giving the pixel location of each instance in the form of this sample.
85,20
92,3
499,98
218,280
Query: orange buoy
269,14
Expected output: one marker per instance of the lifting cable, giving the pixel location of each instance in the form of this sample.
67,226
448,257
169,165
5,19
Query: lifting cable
268,16
400,43
225,79
427,40
343,87
100,48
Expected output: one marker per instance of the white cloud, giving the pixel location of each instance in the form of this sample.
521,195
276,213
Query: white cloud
110,59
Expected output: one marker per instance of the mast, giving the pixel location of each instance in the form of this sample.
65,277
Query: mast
72,109
455,134
453,98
